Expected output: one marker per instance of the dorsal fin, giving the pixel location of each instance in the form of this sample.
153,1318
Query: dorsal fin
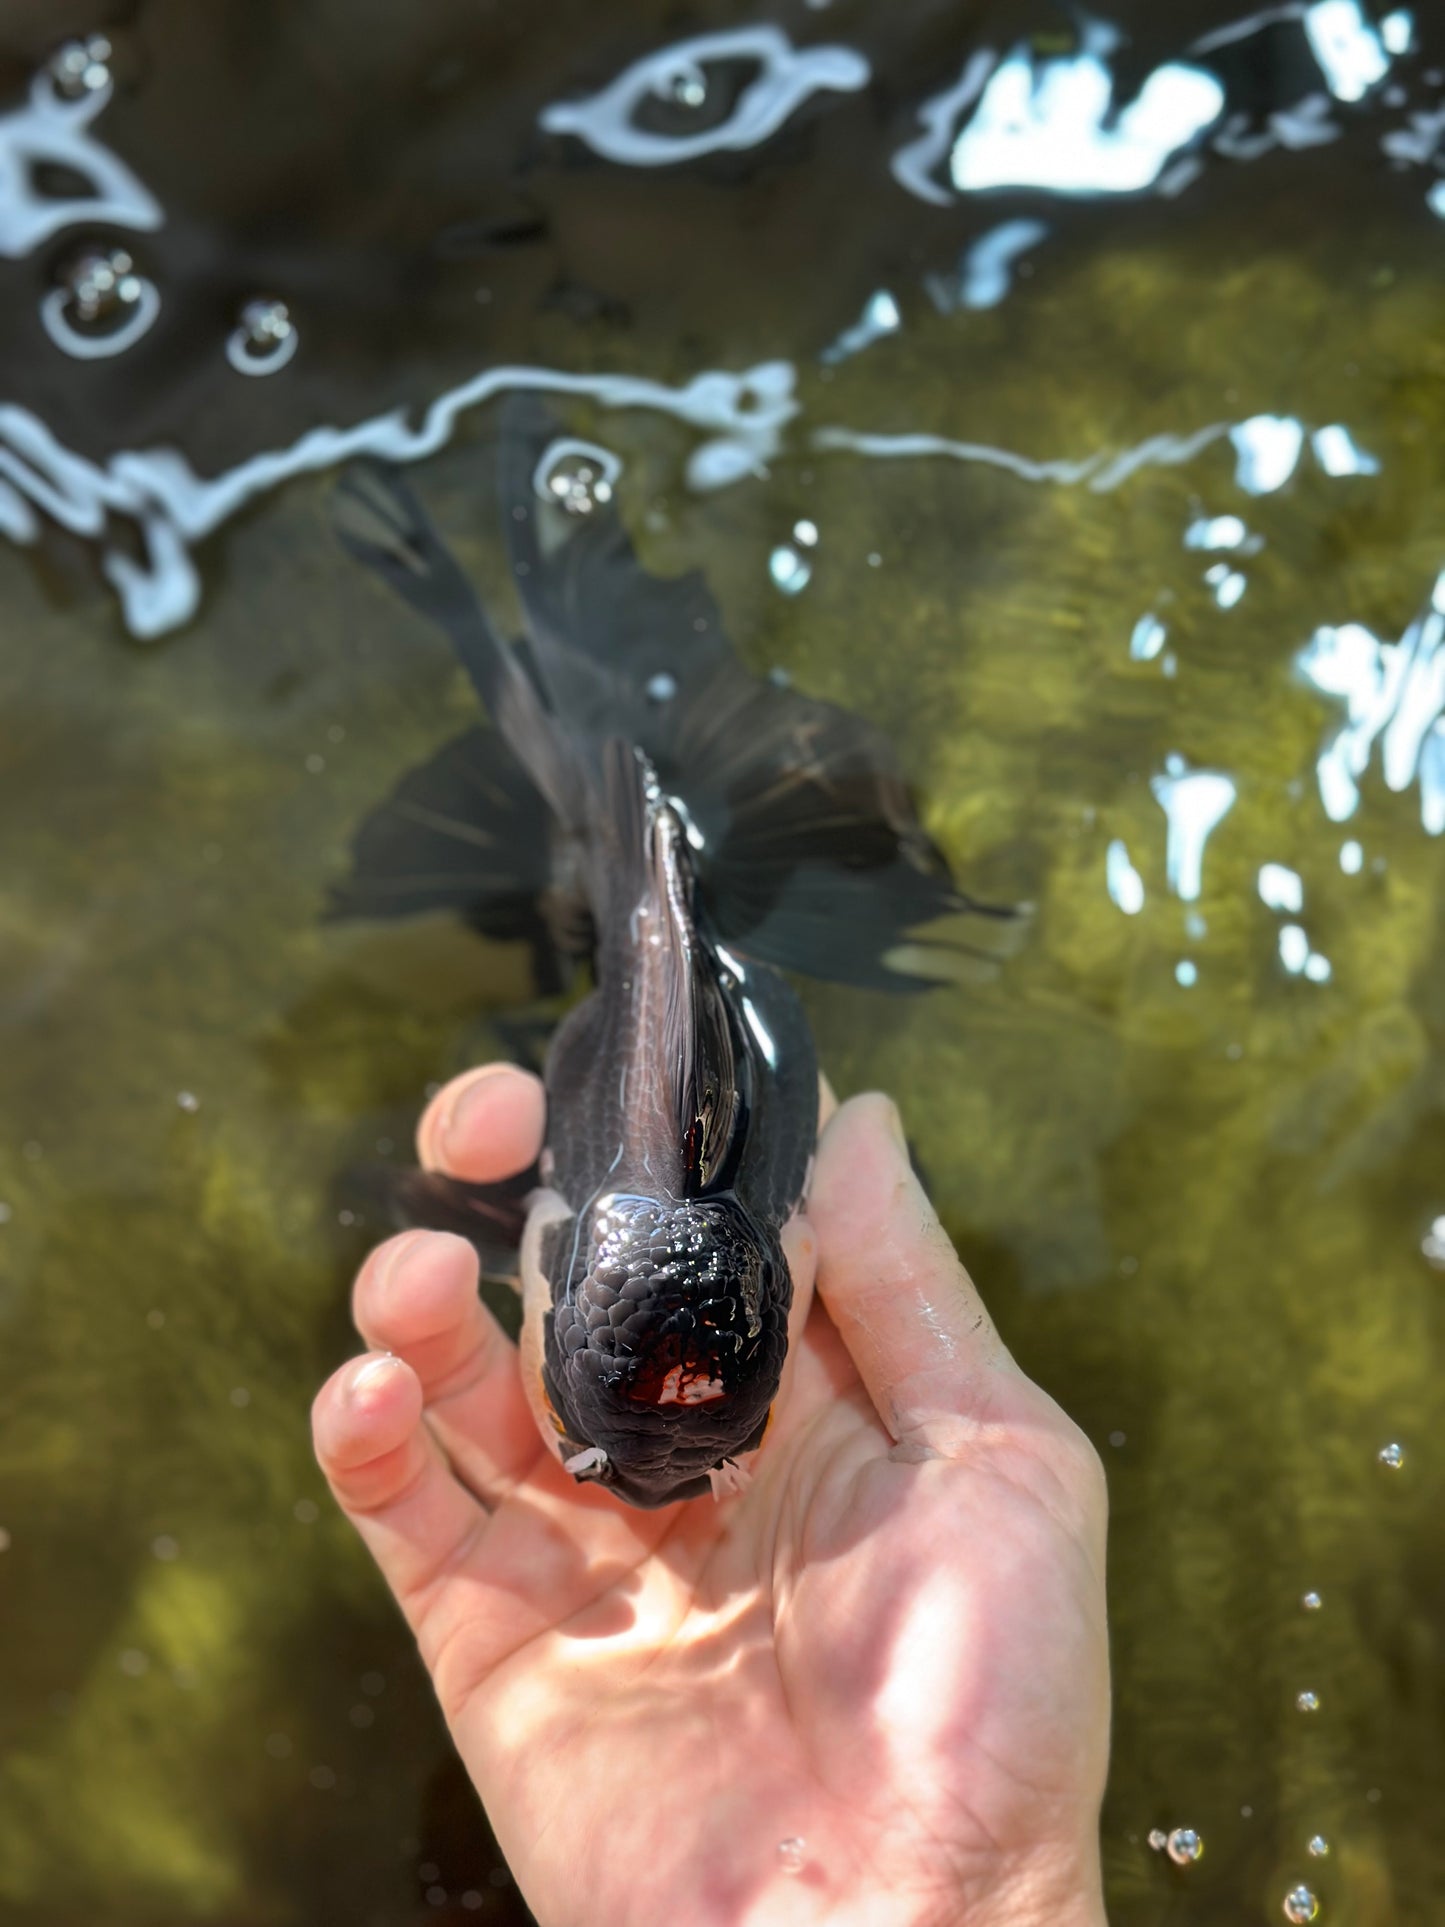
699,1100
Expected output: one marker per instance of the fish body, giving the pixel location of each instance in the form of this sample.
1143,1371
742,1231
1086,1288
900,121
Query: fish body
641,801
675,1154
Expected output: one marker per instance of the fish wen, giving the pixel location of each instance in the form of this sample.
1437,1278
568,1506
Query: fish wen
637,803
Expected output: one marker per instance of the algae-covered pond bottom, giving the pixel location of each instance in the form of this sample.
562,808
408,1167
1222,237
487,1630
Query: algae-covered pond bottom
1090,449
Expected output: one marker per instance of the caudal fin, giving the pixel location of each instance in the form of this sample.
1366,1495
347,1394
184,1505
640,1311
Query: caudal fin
383,524
468,832
813,856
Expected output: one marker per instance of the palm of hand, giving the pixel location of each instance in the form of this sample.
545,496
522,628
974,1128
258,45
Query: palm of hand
872,1689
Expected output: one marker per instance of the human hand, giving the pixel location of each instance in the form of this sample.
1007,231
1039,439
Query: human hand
871,1689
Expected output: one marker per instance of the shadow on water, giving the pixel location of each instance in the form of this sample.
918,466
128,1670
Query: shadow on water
1090,447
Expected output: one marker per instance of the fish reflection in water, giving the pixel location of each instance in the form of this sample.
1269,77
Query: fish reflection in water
641,801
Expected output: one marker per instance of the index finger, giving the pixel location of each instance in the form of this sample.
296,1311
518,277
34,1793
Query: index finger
919,1334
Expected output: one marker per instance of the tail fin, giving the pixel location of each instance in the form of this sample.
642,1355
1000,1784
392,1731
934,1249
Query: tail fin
466,831
383,524
813,855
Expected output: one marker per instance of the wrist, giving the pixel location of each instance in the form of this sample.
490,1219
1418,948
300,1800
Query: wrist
1050,1889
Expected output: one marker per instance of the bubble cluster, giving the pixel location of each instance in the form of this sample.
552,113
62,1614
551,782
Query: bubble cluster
80,67
264,338
577,477
1184,1845
101,305
578,486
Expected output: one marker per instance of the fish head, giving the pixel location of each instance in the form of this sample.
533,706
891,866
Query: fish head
665,1342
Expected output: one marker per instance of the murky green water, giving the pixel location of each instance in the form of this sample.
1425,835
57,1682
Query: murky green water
1201,1209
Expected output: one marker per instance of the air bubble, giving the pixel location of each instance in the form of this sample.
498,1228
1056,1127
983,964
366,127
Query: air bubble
1300,1906
790,1854
1307,1701
1318,1848
1158,1839
165,1548
100,306
188,1100
687,85
1391,1456
264,339
1184,1846
1311,1601
661,688
788,570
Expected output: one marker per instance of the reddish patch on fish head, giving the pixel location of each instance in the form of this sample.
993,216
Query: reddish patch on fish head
676,1373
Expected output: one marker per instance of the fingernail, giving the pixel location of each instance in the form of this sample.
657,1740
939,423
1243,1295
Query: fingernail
895,1126
464,1108
399,1254
371,1375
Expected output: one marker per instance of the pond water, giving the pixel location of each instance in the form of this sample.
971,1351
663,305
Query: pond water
1067,395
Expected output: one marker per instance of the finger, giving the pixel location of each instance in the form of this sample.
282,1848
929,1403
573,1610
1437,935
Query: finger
485,1125
919,1334
827,1102
800,1248
416,1296
389,1475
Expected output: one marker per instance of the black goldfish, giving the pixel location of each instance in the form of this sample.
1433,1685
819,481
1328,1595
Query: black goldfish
642,800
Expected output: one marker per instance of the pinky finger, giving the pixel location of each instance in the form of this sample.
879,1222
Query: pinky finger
390,1477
